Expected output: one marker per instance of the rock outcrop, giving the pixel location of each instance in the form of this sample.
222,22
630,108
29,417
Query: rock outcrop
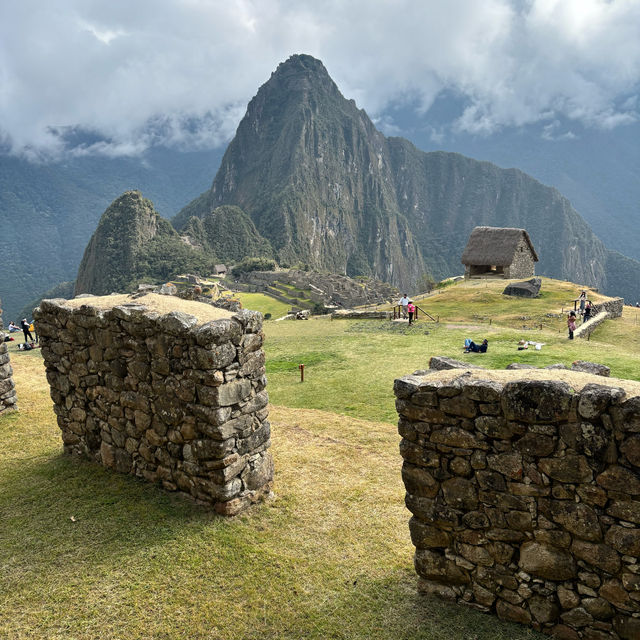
527,289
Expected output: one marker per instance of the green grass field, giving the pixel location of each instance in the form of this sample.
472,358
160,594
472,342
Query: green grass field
264,304
86,553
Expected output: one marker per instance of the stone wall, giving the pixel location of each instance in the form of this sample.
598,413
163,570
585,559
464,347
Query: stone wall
163,397
603,311
613,307
525,495
8,400
585,329
523,265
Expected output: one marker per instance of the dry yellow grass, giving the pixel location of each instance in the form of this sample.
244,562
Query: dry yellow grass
86,553
154,302
575,379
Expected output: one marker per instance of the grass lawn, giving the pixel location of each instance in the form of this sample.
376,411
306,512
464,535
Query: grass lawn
87,553
264,304
350,365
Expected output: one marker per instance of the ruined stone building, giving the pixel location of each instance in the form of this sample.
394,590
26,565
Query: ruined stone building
499,252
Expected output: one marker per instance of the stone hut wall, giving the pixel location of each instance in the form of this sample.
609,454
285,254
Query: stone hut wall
523,265
8,399
525,498
162,398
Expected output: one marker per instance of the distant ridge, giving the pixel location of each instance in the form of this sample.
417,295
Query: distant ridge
324,187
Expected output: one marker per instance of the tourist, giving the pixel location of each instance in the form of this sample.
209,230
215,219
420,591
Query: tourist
13,327
25,329
583,301
411,309
404,303
472,347
571,323
587,312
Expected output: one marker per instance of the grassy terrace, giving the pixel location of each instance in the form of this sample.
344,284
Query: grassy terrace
85,553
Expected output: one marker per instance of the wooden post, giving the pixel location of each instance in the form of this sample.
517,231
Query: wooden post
301,367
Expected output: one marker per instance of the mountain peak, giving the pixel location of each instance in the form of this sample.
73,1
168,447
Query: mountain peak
301,63
301,74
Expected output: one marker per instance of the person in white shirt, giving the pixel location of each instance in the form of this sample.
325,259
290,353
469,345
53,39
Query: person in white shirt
404,303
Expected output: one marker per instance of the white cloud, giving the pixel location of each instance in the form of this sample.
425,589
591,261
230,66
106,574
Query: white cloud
144,72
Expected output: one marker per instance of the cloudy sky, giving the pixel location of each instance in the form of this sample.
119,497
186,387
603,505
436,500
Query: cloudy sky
180,72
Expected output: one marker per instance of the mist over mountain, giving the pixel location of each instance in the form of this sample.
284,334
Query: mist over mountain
324,186
313,180
49,209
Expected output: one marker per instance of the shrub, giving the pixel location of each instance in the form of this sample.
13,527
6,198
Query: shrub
253,264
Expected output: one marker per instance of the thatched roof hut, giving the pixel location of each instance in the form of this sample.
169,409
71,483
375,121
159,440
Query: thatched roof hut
499,251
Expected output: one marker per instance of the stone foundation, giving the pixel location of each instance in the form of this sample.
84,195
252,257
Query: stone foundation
8,399
163,397
525,495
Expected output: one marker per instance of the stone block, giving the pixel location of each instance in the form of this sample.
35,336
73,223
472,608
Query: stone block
546,561
537,400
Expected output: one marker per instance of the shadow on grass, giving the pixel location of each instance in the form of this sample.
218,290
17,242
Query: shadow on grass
388,608
64,506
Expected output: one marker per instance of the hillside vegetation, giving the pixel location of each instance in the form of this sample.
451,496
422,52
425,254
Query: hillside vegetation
88,553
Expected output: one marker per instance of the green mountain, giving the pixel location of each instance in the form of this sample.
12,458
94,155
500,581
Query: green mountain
227,232
324,187
134,244
48,210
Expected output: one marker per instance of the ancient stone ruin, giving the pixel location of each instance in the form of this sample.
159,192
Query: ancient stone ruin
525,495
8,398
170,397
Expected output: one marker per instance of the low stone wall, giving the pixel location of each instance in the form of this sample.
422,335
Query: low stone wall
613,307
601,312
163,397
8,399
587,328
525,495
353,314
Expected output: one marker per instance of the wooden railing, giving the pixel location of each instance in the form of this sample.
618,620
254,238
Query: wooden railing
397,313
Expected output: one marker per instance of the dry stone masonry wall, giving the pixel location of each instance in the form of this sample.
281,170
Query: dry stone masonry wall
8,400
522,265
525,497
162,397
601,312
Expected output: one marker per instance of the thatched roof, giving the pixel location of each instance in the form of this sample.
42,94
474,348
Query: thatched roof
494,246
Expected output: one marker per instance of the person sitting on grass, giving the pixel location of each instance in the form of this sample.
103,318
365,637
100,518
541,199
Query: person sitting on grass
13,327
477,348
